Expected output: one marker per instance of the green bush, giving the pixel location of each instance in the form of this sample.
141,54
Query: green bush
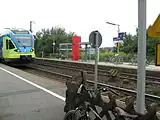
106,56
89,57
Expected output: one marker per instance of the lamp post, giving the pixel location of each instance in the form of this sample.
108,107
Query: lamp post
31,22
117,31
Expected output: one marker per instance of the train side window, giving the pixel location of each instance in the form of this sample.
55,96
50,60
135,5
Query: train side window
1,45
7,44
11,46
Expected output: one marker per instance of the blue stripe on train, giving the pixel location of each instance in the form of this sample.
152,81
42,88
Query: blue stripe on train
25,49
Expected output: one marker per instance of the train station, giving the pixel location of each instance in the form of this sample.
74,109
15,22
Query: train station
98,61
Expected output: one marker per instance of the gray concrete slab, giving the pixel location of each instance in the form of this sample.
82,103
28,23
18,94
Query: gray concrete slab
22,101
31,106
52,84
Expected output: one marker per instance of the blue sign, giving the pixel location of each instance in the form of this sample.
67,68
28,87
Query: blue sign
121,35
115,39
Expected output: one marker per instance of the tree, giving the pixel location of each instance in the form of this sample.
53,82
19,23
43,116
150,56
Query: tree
46,37
130,45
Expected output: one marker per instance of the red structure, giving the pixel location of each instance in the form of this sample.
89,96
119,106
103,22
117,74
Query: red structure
76,40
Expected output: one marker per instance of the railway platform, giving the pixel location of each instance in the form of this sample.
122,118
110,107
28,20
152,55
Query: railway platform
124,65
24,96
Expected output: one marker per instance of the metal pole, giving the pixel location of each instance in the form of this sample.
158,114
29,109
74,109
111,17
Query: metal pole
59,47
31,26
98,55
118,34
67,52
67,47
42,54
53,49
86,50
117,31
90,53
140,103
96,61
53,46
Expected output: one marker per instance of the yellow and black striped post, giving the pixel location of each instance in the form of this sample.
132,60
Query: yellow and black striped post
113,73
118,45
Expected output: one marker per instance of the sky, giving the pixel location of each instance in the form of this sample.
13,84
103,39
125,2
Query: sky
79,16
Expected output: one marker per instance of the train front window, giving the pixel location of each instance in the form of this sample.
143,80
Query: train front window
24,40
11,46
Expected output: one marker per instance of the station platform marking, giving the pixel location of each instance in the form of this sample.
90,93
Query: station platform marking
33,84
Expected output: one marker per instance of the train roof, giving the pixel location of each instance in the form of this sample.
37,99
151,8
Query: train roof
14,31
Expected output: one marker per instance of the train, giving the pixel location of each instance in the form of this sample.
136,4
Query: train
17,46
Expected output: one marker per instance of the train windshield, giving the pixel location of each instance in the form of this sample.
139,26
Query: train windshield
24,40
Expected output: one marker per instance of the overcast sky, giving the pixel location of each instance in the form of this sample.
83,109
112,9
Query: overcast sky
79,16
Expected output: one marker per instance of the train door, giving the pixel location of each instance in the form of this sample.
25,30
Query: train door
8,47
5,47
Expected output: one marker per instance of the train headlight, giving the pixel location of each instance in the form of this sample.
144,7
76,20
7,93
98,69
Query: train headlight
16,50
32,50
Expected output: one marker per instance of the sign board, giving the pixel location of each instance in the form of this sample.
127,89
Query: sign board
154,30
157,63
115,39
92,39
121,35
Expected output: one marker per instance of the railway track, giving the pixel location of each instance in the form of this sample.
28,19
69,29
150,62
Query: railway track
58,71
125,80
64,76
123,92
102,70
133,77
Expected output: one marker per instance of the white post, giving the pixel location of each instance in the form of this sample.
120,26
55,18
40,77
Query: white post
141,73
42,54
98,56
90,55
53,47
